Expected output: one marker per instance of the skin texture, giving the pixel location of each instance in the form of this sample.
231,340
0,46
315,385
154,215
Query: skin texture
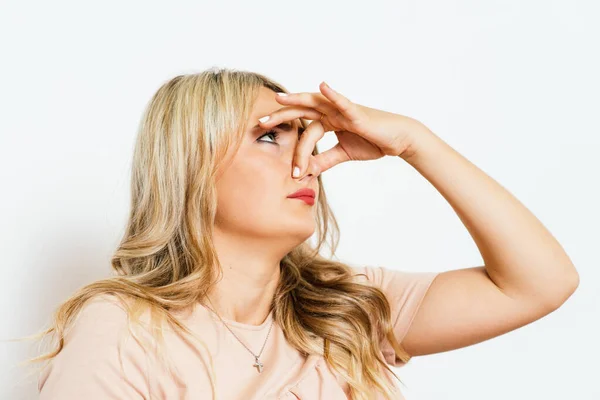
256,224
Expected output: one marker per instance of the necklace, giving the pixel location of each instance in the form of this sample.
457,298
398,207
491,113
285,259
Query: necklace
257,362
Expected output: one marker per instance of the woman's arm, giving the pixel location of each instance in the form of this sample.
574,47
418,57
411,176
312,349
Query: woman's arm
526,275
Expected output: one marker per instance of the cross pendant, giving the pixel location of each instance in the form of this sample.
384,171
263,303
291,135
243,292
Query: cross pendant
258,364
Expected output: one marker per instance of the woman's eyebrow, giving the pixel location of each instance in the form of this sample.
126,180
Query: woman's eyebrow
284,126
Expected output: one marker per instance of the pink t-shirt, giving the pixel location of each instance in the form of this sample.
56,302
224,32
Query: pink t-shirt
89,366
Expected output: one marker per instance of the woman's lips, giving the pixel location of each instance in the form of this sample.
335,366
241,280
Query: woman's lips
304,194
307,199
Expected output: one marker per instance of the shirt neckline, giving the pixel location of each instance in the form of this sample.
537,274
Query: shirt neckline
240,325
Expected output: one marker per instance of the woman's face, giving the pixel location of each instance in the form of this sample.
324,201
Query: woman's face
252,191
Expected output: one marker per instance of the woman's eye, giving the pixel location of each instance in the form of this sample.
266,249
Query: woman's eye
274,134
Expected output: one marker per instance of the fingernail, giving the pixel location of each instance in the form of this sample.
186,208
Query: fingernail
296,172
264,119
281,94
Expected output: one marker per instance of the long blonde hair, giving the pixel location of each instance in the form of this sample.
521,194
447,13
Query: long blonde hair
166,260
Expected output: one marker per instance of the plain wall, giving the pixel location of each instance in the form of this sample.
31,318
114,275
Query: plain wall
512,85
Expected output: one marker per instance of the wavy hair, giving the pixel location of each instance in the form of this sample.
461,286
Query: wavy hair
166,260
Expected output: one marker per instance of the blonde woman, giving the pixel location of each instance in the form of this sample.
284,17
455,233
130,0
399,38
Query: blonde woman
217,292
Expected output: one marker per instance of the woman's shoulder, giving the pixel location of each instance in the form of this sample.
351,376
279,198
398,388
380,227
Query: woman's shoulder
99,326
364,273
384,277
101,313
98,354
105,302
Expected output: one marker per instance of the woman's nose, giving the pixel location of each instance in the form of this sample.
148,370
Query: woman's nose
313,170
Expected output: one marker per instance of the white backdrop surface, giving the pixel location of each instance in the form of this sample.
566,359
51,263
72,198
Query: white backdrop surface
512,85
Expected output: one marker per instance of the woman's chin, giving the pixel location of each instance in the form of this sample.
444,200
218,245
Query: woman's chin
301,228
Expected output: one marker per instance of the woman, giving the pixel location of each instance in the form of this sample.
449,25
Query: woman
218,293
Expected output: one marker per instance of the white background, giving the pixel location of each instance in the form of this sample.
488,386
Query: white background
512,85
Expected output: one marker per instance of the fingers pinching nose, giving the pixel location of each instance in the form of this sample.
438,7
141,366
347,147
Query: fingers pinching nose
296,172
313,169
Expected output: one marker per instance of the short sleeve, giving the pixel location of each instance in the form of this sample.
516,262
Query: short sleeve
99,359
405,291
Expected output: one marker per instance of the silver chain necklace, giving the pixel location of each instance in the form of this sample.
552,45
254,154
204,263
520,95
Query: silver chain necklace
257,362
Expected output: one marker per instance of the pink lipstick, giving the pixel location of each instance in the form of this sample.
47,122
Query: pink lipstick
306,195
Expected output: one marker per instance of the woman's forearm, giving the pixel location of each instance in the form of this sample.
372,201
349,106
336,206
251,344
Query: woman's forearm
521,256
